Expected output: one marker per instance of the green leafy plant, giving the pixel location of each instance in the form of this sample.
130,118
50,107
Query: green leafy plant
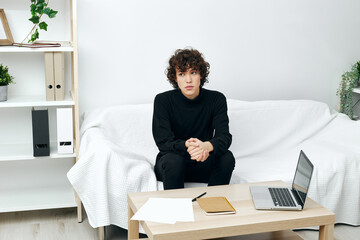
5,77
349,80
38,8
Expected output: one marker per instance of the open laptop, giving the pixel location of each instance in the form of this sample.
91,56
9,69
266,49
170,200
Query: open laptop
278,198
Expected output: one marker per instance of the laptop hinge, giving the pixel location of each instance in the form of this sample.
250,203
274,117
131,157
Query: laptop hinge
297,198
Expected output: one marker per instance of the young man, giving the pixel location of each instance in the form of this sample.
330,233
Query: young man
191,126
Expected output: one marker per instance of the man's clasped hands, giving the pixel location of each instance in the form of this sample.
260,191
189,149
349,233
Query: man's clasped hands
198,150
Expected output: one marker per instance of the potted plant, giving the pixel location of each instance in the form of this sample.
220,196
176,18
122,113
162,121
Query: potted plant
5,80
349,80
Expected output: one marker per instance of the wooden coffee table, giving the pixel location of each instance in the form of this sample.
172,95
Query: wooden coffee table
255,224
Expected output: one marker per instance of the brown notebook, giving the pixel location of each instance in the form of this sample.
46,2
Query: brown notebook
216,205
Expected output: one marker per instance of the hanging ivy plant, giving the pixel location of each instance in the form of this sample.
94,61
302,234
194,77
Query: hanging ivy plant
349,80
38,8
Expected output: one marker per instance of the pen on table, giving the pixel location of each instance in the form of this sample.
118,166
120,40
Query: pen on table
194,199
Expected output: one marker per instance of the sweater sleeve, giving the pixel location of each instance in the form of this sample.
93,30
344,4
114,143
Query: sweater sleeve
222,138
161,129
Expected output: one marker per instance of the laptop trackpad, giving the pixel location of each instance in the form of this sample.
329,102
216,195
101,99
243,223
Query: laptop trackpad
261,195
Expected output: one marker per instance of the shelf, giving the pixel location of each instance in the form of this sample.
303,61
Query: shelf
45,197
65,47
356,90
35,185
28,182
34,101
16,152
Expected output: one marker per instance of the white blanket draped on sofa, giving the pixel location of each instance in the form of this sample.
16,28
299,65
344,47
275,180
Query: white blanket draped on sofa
117,154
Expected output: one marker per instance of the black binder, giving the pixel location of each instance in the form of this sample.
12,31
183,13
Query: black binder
40,127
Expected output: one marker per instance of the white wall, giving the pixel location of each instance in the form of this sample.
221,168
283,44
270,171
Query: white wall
257,49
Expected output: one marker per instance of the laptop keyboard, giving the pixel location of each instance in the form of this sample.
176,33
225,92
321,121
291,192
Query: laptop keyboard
282,197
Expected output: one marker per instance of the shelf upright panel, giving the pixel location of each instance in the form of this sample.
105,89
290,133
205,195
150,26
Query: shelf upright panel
75,90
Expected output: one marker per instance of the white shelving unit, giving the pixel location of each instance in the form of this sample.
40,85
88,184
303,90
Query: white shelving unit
28,182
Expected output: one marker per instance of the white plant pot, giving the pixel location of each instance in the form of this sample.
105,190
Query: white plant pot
3,93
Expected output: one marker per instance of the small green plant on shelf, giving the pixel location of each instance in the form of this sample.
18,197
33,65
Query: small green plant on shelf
5,77
38,8
349,80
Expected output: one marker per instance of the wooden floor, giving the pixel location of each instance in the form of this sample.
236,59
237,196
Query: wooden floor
61,224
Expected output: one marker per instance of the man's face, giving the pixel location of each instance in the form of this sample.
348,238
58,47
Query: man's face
189,82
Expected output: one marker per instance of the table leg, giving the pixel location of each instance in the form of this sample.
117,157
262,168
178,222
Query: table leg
326,232
101,233
133,228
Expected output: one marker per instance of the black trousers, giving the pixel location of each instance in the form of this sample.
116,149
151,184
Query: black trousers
173,170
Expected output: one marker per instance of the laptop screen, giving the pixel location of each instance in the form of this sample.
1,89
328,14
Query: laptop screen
302,177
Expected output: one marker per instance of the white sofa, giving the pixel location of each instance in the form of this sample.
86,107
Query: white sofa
117,154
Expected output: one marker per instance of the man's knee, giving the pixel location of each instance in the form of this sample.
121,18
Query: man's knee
222,169
171,171
227,161
172,161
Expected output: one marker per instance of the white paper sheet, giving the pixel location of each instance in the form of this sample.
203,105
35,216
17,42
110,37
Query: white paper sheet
166,210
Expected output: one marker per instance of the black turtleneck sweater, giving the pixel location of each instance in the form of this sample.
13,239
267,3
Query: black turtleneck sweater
177,118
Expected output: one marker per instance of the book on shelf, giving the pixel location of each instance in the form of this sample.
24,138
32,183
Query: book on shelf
216,205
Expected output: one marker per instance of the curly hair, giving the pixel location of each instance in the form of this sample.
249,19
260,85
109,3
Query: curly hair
184,59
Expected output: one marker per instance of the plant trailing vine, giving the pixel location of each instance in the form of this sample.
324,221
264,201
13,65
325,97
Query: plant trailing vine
349,80
38,8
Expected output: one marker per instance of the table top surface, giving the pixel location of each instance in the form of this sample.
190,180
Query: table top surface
247,219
